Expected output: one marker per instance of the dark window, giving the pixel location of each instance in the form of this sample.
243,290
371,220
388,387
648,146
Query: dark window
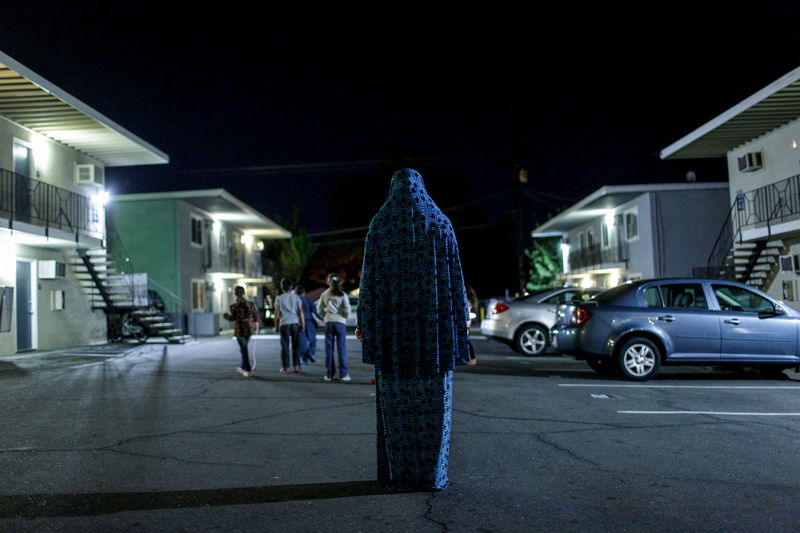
197,231
631,225
679,295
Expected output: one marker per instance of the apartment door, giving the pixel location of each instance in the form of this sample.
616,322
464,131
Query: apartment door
24,306
23,161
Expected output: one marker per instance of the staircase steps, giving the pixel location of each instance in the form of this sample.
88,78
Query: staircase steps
108,291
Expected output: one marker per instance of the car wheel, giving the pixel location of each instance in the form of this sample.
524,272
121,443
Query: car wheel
601,366
531,340
639,359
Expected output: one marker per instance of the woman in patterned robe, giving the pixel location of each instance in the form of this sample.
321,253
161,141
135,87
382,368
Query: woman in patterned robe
412,320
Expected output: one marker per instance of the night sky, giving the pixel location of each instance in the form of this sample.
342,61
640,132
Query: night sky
314,104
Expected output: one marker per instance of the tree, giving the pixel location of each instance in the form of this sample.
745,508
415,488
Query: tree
544,258
288,258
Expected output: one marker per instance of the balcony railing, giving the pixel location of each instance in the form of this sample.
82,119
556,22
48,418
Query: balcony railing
596,255
29,200
760,208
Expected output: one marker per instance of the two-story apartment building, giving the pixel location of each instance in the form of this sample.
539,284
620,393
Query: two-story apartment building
759,243
627,232
194,247
54,152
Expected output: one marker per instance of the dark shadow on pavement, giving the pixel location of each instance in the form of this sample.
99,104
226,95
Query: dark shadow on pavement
90,504
7,367
668,372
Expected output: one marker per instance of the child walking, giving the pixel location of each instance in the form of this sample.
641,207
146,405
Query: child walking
334,306
245,318
289,321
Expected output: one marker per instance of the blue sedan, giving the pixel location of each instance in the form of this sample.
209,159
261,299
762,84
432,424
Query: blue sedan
638,326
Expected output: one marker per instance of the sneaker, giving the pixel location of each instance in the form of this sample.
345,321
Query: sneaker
242,371
248,374
326,378
312,359
346,378
285,371
297,370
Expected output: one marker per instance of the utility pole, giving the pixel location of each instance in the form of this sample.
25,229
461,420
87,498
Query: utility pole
520,180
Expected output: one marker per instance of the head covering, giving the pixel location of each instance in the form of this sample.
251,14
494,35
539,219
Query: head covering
412,306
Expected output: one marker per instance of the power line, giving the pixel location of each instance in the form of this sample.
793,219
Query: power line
446,210
331,166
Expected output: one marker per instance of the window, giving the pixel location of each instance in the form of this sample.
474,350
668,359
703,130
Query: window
679,295
569,296
23,158
732,298
57,300
590,237
197,230
223,242
198,295
631,225
604,235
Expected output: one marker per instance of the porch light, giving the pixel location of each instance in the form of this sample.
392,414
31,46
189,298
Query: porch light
101,198
565,257
794,144
609,219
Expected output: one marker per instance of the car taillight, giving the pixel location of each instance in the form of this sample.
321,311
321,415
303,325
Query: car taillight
499,307
582,315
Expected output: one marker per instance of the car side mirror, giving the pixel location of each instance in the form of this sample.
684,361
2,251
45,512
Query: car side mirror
775,311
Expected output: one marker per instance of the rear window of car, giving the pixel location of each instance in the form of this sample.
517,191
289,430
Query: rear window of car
569,296
678,295
612,294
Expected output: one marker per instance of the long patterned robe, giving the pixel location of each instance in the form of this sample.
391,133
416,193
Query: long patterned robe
413,314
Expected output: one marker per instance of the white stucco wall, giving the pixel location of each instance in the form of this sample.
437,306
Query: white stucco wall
781,159
77,324
54,163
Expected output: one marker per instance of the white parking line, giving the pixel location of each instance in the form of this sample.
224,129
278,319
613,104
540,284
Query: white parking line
796,387
720,413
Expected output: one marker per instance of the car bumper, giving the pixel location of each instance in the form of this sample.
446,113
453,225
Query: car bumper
496,329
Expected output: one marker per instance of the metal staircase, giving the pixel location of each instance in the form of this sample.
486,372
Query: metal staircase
752,262
756,263
113,292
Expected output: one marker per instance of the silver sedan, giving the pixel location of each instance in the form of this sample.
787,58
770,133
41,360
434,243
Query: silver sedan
524,323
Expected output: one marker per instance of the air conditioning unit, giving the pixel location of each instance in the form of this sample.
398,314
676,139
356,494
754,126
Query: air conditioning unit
789,263
750,161
52,269
88,174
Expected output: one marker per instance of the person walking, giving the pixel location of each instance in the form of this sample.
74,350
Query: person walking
308,349
290,322
244,316
334,306
412,320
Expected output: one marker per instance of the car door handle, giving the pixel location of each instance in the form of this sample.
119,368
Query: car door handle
734,321
666,318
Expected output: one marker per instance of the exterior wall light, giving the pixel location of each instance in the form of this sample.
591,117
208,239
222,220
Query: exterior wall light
101,198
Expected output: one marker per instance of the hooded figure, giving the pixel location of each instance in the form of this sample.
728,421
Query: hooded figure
412,320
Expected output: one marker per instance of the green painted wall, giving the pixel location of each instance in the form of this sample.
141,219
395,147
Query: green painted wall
148,233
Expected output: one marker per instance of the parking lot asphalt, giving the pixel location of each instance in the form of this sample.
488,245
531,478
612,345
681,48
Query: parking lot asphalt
170,438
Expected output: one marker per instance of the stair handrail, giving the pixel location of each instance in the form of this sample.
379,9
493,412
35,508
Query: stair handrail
723,244
118,253
182,304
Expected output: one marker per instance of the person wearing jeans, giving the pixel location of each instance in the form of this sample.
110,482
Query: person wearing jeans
334,306
335,333
289,321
